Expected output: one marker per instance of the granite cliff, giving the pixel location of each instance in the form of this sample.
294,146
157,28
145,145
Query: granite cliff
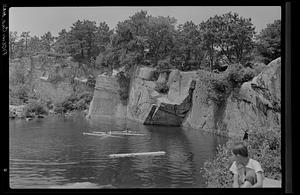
254,105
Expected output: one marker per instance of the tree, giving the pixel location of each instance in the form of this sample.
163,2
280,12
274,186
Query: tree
82,40
161,33
13,36
103,36
228,37
130,41
47,40
188,46
60,45
209,39
234,37
34,45
25,36
269,41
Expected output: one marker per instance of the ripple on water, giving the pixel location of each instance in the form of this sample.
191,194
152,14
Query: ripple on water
54,152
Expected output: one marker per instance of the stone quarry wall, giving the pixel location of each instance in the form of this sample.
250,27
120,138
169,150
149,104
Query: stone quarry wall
106,101
255,105
141,95
41,65
57,87
148,106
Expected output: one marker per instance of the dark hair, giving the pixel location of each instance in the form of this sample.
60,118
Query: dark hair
240,148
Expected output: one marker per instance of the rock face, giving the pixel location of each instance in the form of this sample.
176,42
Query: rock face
145,104
142,95
255,105
106,101
148,106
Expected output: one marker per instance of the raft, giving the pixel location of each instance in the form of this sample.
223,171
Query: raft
138,154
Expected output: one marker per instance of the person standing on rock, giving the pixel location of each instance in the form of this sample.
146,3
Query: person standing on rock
247,172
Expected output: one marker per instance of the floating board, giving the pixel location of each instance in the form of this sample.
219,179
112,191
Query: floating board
44,78
99,132
118,133
80,80
102,135
137,154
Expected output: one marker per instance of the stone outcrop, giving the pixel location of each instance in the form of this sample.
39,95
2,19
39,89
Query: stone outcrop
148,106
257,104
106,101
142,94
254,105
145,104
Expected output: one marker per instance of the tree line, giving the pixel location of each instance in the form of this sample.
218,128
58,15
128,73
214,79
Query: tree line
144,39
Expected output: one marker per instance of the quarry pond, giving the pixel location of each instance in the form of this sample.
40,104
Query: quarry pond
54,152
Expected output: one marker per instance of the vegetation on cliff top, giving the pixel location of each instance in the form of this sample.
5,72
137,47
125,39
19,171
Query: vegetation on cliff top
144,39
220,85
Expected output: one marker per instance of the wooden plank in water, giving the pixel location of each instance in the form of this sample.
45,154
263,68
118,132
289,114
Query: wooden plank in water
101,135
100,132
138,154
118,133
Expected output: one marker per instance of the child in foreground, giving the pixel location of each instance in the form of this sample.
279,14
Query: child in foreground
247,173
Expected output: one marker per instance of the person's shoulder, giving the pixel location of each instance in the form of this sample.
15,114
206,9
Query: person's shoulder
233,164
253,162
233,168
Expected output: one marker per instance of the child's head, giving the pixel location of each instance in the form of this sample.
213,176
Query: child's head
241,152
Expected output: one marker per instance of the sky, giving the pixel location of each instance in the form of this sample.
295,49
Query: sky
39,20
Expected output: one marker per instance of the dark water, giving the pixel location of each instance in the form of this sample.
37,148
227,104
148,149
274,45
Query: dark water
54,152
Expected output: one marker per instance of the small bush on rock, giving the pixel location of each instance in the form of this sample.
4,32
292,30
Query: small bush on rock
74,102
236,74
162,88
124,83
35,107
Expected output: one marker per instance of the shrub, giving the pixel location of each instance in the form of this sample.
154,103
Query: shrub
74,102
124,83
58,108
35,107
155,75
219,86
216,170
162,88
263,145
20,92
236,74
18,74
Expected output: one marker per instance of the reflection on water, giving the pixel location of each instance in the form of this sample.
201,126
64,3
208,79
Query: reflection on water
54,152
